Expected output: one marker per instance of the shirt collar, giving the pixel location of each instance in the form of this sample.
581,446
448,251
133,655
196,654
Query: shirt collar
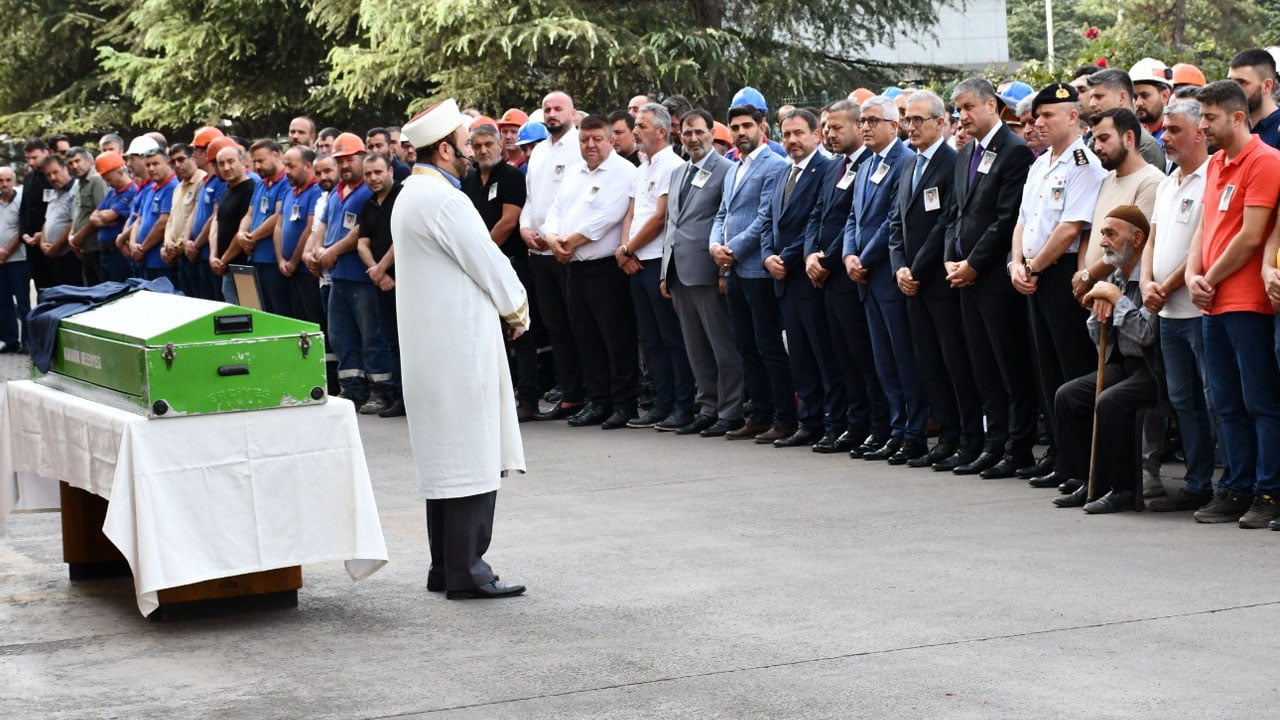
755,154
703,162
345,190
853,156
888,149
1201,171
805,162
1269,121
1254,143
991,136
159,185
570,134
455,182
664,151
269,182
299,190
930,151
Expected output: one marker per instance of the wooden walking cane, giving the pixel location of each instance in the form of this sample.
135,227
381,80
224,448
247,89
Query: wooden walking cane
1097,390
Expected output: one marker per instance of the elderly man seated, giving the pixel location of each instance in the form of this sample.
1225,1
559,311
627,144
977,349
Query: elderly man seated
1129,376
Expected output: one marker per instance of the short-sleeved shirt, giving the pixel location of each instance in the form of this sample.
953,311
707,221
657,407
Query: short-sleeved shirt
59,214
1252,179
375,223
506,186
121,203
1136,188
1178,211
10,216
1058,190
231,210
653,181
342,214
212,191
296,209
160,203
267,196
1268,129
184,204
89,193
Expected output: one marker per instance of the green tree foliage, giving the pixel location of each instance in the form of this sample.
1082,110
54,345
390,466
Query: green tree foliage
86,66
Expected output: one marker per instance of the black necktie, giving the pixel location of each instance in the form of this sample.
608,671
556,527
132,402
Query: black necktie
688,183
791,184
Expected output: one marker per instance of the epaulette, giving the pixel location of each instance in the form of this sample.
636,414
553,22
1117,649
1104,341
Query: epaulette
1081,157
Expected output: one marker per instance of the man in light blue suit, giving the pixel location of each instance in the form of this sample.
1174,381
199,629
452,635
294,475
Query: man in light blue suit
754,312
866,258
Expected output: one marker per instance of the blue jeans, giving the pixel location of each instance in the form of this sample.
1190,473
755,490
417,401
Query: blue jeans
661,340
229,294
1181,341
355,329
1244,381
390,331
15,302
274,287
115,267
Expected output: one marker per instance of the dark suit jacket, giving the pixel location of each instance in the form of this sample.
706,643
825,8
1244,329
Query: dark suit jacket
916,235
825,230
867,232
784,228
981,219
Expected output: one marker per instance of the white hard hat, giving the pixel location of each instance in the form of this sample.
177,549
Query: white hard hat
536,116
143,145
1150,70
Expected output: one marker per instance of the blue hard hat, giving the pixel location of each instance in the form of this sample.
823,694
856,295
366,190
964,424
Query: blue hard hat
892,92
532,132
1015,92
750,96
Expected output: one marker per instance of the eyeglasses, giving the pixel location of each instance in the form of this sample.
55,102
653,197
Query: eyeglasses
871,122
915,120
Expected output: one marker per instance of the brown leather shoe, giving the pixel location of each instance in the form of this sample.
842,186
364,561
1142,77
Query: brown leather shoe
750,430
776,432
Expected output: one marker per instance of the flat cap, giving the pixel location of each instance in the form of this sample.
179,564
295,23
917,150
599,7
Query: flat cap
1133,215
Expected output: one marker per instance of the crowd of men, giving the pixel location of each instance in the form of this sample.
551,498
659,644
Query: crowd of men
1091,265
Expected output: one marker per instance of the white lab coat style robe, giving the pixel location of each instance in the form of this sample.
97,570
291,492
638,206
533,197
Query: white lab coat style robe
454,291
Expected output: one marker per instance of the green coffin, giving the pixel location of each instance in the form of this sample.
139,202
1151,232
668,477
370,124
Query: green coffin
171,355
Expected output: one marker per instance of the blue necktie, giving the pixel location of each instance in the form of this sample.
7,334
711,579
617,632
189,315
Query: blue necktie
921,161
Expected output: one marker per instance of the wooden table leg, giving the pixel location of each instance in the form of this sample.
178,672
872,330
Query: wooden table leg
87,552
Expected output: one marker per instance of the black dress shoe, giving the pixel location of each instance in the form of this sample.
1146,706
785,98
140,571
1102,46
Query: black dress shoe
1114,501
941,451
1007,466
1070,486
559,412
618,419
979,464
673,422
869,444
886,451
435,584
697,425
801,437
493,589
849,439
650,418
910,450
1043,466
827,444
396,409
958,458
1075,499
720,427
591,414
1053,479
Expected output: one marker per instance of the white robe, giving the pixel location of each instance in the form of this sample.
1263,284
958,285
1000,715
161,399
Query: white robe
454,291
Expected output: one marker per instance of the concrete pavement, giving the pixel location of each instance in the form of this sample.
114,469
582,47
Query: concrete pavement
690,578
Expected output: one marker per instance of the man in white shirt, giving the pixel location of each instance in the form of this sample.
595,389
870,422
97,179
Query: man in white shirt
583,229
1176,218
547,166
15,283
640,256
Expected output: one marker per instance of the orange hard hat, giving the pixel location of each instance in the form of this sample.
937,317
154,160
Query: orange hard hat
861,95
217,146
483,120
1187,74
348,144
513,116
205,135
720,133
108,161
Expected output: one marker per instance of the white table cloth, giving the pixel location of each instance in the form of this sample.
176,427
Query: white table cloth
206,496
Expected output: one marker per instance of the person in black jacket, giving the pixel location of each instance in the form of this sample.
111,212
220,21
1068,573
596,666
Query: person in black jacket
36,194
989,173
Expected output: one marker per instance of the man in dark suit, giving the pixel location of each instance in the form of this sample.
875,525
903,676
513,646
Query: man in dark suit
990,172
916,232
866,260
754,312
867,410
814,371
694,284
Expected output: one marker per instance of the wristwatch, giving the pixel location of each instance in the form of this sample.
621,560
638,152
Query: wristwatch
1026,263
1085,277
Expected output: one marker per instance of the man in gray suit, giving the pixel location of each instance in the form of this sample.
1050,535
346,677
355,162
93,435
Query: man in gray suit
694,283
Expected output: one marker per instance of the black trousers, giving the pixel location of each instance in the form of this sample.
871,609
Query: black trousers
937,333
1127,387
91,267
41,268
1062,344
524,370
868,408
603,321
458,531
66,268
995,329
551,290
